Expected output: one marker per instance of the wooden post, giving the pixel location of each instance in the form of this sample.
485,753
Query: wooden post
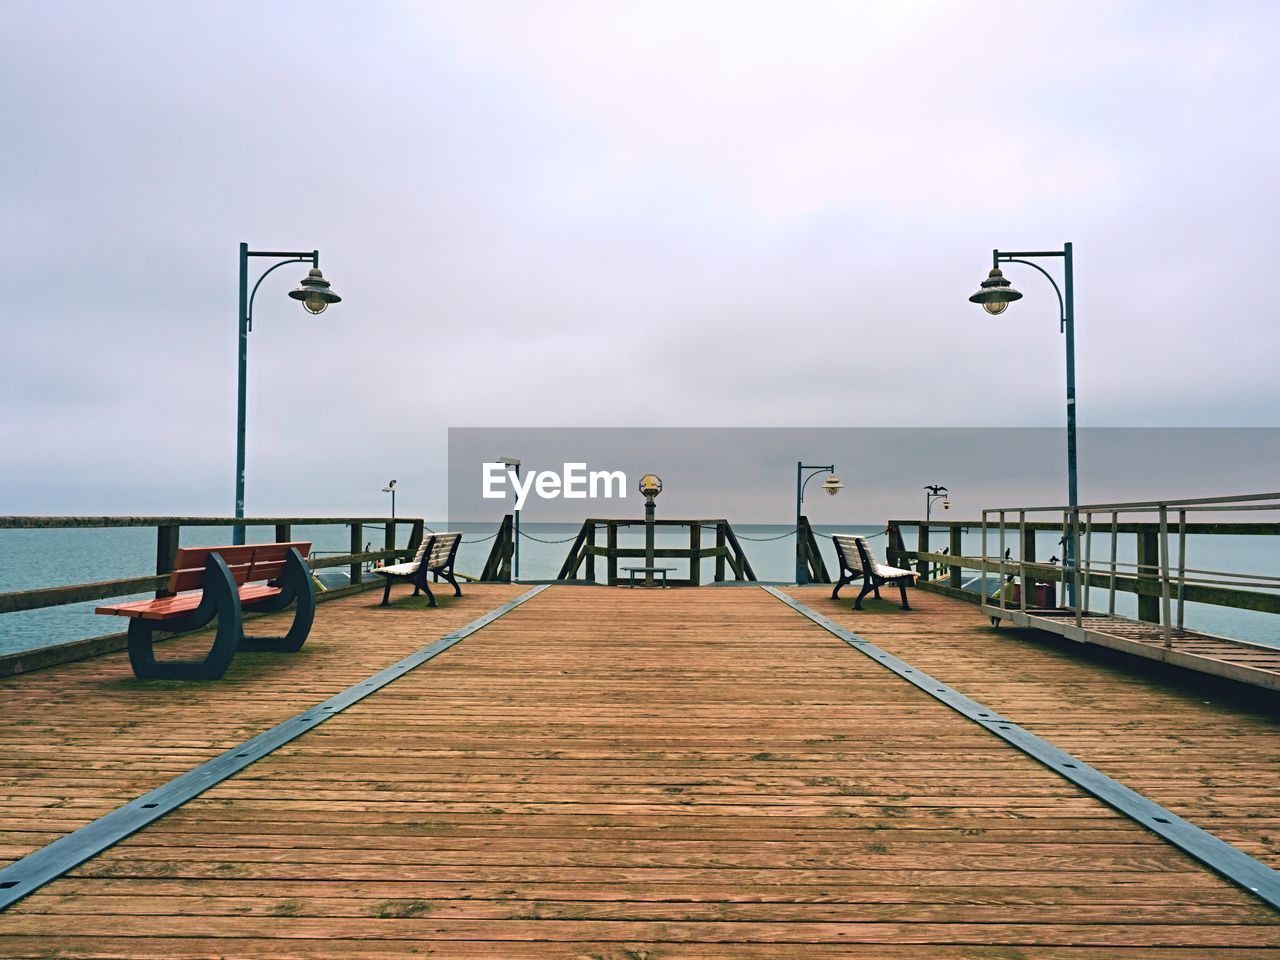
695,548
167,536
389,541
1028,554
284,532
611,541
956,549
721,550
922,547
1148,576
357,545
591,557
415,538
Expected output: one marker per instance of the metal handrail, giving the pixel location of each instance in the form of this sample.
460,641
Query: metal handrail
1167,580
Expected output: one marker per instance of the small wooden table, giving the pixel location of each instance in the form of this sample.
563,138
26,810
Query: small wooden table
634,570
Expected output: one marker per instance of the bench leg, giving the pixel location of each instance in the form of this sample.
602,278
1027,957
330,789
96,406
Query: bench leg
844,581
146,667
902,589
221,600
386,593
866,588
431,597
296,589
457,590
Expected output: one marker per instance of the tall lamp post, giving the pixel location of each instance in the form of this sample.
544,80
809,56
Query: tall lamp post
995,294
315,295
831,485
514,464
932,493
391,489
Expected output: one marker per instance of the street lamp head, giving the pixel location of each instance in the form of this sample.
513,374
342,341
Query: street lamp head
832,485
389,487
995,293
314,292
946,504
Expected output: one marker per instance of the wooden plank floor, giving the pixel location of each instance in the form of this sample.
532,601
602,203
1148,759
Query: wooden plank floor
1212,757
77,740
638,775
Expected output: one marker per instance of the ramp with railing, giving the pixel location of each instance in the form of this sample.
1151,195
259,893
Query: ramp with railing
1082,595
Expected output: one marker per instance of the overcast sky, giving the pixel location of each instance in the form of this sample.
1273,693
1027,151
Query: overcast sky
594,214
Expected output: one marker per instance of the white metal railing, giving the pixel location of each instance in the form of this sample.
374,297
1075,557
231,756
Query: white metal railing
1154,572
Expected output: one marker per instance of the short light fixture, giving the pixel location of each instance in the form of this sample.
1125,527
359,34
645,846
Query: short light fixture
832,485
314,292
995,293
650,486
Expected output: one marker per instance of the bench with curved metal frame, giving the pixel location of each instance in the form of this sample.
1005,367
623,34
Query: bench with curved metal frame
261,578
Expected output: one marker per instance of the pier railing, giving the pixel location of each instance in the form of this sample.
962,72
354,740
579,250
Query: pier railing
168,534
1160,574
587,547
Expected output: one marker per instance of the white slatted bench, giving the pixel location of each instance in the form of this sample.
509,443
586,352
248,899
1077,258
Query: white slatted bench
857,559
434,558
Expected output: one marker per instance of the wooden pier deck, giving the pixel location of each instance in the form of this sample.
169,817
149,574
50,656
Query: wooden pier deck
604,773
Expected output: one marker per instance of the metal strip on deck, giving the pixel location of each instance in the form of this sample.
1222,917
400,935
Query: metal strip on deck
1215,853
27,875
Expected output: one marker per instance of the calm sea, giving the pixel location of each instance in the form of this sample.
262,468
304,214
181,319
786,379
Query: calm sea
46,558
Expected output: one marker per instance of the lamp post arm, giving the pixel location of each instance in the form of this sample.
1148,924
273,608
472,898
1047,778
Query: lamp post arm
816,471
1062,307
248,317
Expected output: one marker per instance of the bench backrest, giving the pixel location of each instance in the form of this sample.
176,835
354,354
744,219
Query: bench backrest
443,546
248,564
847,548
422,549
872,563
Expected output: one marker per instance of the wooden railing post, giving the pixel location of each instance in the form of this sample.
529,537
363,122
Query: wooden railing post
415,537
611,542
922,547
167,536
357,546
389,541
695,548
721,550
1148,585
591,556
1028,554
957,548
284,532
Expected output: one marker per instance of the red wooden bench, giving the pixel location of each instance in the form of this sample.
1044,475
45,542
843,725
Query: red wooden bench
225,581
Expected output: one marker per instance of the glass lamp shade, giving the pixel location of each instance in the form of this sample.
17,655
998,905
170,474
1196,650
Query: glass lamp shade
314,292
995,293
